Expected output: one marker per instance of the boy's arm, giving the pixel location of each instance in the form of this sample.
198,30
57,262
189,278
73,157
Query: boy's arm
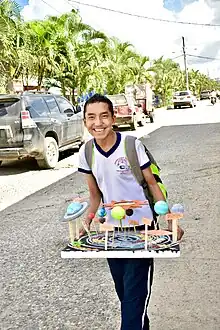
94,196
152,184
94,192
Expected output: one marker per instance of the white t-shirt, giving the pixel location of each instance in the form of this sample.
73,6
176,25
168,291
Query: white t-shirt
115,179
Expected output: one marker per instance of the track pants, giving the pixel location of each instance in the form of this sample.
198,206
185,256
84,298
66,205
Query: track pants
133,279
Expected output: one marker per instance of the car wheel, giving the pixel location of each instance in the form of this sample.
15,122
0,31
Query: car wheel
191,105
151,118
51,154
140,124
0,162
134,125
175,106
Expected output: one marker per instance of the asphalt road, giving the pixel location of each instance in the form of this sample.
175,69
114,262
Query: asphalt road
39,290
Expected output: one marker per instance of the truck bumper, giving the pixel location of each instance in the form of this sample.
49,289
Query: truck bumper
19,153
126,120
182,103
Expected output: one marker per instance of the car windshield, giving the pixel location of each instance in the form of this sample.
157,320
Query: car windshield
118,99
181,93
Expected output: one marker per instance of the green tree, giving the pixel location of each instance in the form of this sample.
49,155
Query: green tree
10,30
63,51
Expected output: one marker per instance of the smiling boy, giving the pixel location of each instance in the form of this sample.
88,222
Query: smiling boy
110,178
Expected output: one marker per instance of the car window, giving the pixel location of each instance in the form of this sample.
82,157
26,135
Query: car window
64,104
182,93
37,106
118,99
10,107
52,104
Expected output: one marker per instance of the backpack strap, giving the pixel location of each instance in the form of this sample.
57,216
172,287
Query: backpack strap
130,149
89,152
150,156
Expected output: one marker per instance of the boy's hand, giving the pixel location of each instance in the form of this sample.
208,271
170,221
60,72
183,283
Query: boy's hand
85,228
180,231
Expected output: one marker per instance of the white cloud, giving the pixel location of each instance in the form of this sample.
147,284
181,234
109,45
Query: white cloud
151,38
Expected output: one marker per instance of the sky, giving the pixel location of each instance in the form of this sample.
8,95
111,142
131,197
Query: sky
151,38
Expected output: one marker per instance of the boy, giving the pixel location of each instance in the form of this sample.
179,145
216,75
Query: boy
111,178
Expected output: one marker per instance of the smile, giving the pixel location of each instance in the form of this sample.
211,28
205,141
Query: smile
98,130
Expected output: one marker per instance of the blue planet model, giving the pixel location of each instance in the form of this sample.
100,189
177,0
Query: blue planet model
161,207
73,208
102,212
177,208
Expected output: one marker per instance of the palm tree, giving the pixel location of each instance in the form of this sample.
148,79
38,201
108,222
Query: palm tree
76,52
9,41
73,56
117,65
168,77
142,70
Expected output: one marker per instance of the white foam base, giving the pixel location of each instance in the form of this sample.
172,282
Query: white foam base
118,254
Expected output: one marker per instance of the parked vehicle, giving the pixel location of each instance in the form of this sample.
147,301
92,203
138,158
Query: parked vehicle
204,95
143,96
184,98
126,112
38,126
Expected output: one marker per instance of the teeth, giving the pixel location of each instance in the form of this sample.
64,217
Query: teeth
99,130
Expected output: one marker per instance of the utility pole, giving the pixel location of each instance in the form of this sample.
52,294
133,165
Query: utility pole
185,64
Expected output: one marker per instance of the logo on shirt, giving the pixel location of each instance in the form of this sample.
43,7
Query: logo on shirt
123,166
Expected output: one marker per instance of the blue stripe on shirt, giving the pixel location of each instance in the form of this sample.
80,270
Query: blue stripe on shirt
82,170
148,164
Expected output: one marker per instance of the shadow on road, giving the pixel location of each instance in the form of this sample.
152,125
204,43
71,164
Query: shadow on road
18,166
26,165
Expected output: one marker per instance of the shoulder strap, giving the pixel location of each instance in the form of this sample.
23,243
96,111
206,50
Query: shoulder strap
89,152
133,158
131,153
150,156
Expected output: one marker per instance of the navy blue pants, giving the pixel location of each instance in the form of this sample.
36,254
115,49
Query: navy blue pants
133,279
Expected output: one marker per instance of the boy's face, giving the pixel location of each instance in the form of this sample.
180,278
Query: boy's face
99,120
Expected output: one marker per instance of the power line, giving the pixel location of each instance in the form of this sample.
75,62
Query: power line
67,2
145,17
150,18
174,58
51,7
204,57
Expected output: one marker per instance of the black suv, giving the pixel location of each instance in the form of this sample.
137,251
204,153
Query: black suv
39,126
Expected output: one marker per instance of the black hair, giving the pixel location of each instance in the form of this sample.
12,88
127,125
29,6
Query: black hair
99,98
